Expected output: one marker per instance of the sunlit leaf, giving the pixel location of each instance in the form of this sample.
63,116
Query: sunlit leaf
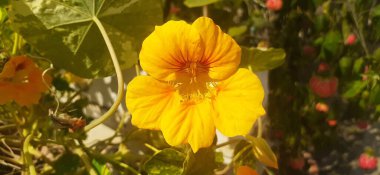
3,14
64,31
355,88
166,162
236,31
263,152
262,60
358,64
100,167
198,3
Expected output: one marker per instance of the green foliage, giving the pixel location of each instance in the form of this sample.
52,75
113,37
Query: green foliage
355,88
65,31
375,11
262,60
331,43
3,14
166,162
202,162
68,163
100,167
198,3
236,31
263,152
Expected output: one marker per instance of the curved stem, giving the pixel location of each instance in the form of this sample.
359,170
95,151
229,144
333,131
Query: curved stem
120,82
15,44
118,163
28,158
154,149
6,127
232,141
205,11
240,153
259,127
85,160
137,68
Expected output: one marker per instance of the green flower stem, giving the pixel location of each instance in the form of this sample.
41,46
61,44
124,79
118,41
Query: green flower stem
27,157
137,68
15,43
154,149
360,31
8,152
120,82
232,141
259,127
5,127
85,160
113,161
240,153
205,11
11,160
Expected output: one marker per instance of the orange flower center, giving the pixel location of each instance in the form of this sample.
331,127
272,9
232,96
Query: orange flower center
194,70
195,87
196,92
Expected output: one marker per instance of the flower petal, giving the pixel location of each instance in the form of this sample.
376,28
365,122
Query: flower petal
239,103
221,53
167,50
147,99
7,92
190,123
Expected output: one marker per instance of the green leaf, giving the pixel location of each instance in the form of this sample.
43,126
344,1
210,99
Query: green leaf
376,54
332,42
263,152
355,88
3,14
345,64
236,31
375,12
346,29
64,31
358,65
166,162
198,3
203,162
100,167
374,97
262,60
377,108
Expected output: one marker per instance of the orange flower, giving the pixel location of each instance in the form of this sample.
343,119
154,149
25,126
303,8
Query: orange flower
194,86
246,170
322,107
21,81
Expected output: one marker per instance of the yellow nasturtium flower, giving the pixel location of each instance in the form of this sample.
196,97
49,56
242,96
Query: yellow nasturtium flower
194,86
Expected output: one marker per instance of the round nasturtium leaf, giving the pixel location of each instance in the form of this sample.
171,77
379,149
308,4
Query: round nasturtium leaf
64,31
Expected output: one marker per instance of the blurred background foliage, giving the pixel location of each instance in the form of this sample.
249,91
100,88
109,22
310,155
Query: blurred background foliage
321,92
